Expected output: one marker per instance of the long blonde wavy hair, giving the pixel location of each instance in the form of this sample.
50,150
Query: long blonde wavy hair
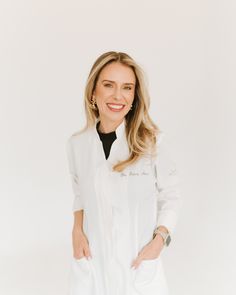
141,131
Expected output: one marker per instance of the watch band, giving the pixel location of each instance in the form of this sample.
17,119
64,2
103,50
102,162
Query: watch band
166,236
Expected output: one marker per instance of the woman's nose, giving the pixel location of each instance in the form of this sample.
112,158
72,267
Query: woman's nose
118,93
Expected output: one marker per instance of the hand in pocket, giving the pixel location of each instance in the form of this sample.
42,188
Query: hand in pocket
80,244
150,251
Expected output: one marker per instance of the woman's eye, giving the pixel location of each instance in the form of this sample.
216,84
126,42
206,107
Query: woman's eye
127,87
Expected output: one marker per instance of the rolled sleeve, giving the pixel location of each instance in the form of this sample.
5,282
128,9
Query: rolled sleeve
77,203
169,200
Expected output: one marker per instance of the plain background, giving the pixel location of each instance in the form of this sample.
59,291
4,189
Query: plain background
187,49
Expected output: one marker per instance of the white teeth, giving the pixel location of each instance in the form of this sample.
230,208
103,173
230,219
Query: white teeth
118,107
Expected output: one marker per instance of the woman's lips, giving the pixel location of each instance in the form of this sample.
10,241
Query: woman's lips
115,107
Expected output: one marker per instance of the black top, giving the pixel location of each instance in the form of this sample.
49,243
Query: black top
107,140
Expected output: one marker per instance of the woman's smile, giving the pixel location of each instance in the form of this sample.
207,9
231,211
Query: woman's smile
115,107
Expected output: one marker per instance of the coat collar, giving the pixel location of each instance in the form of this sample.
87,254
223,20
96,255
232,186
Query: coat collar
119,149
120,130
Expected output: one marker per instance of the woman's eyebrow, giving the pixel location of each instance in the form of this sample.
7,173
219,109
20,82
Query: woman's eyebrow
114,82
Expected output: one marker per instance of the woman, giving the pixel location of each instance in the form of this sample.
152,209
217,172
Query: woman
126,196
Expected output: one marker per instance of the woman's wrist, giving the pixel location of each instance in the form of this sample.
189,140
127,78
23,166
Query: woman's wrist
77,229
158,239
163,228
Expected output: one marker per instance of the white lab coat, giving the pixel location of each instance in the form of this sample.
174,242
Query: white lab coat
121,210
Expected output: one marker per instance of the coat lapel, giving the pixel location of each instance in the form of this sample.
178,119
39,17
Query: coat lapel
119,148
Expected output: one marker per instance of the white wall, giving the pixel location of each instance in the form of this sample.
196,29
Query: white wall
187,49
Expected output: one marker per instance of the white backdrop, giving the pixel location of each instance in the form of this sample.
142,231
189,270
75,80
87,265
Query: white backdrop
187,49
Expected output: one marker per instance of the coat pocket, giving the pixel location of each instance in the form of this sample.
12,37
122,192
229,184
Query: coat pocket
146,271
81,277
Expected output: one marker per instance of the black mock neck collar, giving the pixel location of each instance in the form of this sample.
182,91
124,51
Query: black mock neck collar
109,135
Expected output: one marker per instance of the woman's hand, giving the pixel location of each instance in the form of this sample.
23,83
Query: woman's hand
80,244
150,251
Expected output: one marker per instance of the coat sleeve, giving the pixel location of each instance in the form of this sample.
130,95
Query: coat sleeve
169,200
77,201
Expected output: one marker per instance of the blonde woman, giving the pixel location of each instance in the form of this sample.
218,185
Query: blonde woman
125,186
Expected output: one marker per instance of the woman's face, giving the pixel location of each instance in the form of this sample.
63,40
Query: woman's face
114,92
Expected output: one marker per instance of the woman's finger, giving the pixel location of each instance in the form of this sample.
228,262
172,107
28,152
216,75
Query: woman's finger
135,264
87,252
78,255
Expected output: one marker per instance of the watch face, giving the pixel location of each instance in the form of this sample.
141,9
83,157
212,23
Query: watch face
168,240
